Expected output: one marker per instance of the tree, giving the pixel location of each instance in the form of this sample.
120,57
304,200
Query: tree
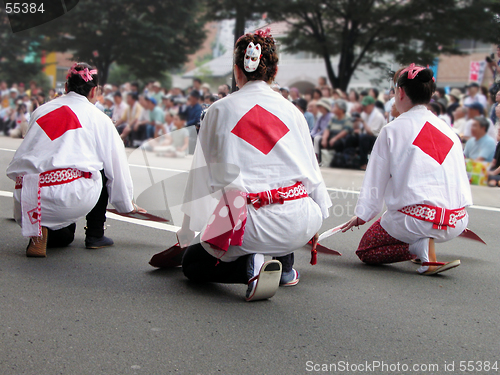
241,10
359,30
13,50
148,37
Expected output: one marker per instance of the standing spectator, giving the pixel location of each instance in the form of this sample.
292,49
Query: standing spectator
481,147
475,96
205,89
197,86
373,121
193,110
322,82
324,108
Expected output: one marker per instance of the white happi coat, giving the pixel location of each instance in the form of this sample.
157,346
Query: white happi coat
265,139
417,159
89,143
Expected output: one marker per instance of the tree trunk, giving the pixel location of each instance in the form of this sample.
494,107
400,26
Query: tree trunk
329,70
239,30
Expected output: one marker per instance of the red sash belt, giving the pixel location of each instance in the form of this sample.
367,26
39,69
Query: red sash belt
279,195
57,177
441,217
227,224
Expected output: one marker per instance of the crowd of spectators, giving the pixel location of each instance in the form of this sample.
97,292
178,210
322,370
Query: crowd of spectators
343,125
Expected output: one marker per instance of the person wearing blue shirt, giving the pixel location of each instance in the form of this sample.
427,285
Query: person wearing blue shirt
193,111
481,147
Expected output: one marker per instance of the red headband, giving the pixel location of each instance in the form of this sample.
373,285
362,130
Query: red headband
413,71
86,74
263,33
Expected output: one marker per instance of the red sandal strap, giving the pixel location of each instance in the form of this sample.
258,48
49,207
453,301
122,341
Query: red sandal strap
433,264
253,279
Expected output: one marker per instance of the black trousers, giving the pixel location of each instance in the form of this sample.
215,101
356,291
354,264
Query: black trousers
95,222
198,265
366,143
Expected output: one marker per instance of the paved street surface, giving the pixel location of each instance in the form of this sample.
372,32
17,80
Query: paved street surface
108,312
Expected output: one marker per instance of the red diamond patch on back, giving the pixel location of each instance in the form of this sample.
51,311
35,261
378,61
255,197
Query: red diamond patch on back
433,142
58,122
261,129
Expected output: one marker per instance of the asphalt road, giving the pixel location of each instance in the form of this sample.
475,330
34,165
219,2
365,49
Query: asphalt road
108,312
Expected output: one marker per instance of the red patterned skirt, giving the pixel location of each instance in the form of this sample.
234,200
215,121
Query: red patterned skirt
379,247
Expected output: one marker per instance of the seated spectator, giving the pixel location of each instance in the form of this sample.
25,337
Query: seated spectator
156,117
474,110
339,130
324,108
21,119
460,119
480,147
301,104
109,104
372,121
443,104
312,108
455,96
317,95
494,172
285,91
175,143
130,117
119,107
493,115
294,93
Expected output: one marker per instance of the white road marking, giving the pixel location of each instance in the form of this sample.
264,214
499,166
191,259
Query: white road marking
6,194
7,149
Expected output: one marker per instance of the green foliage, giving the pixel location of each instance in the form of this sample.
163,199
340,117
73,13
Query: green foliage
13,49
360,30
148,37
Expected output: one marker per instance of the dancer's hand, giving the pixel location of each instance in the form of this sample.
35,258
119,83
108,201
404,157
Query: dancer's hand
138,209
185,236
354,222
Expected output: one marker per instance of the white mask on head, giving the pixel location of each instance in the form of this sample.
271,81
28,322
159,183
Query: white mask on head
252,57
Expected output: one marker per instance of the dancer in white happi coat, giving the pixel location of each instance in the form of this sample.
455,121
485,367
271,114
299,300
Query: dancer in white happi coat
70,161
417,169
255,188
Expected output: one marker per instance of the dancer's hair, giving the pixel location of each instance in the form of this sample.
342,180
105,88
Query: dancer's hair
268,65
420,86
80,83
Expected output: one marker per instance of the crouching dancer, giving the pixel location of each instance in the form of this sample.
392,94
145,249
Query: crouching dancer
71,162
417,168
276,200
